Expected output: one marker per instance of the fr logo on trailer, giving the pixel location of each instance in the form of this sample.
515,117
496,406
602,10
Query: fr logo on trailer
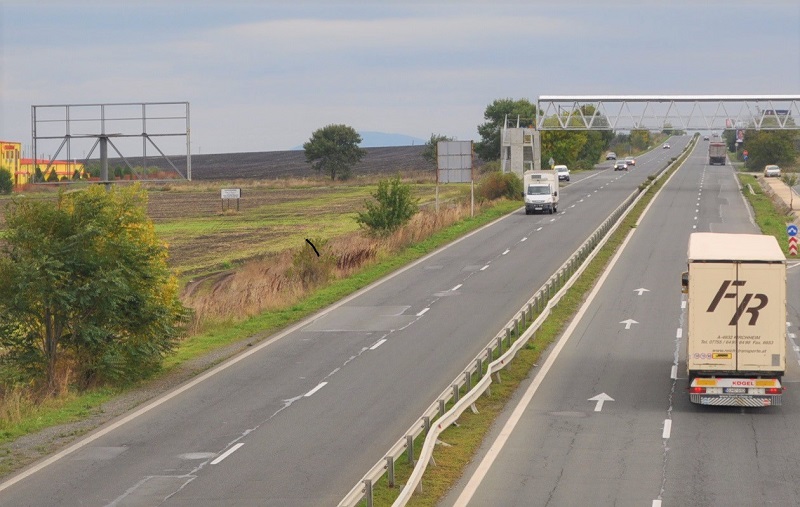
743,304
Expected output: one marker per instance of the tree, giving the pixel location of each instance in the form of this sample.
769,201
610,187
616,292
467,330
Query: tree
334,150
38,176
488,148
640,139
769,147
6,183
52,176
430,153
85,287
394,207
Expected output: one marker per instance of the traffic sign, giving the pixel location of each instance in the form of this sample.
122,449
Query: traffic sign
791,230
551,162
793,245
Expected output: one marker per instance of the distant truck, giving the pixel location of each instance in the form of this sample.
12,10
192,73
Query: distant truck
736,339
717,152
540,191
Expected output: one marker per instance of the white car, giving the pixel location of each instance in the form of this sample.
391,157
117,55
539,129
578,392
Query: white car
563,172
611,156
772,171
666,146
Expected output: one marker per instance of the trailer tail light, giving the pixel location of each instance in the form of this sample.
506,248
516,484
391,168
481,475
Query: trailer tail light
774,390
697,390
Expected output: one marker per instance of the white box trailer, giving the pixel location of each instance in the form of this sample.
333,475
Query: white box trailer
736,339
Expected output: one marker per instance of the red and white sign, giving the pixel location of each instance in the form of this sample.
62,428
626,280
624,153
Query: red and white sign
793,245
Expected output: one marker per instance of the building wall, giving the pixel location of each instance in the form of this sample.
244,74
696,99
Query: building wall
10,158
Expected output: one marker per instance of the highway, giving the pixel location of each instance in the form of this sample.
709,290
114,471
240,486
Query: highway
299,418
649,446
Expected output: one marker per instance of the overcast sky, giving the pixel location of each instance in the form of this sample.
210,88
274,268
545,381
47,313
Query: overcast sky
262,76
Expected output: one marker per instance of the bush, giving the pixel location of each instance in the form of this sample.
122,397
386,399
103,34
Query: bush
312,265
394,207
6,184
490,167
496,185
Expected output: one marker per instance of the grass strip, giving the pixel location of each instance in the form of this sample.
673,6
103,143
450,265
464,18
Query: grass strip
464,440
768,218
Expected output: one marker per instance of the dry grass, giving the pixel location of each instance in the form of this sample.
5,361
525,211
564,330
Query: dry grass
267,284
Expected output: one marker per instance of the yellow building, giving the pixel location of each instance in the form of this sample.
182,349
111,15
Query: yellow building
10,158
23,169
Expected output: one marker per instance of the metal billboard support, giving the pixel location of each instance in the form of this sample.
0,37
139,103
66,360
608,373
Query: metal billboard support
71,123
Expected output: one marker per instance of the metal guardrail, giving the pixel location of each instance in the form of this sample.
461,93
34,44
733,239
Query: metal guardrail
542,302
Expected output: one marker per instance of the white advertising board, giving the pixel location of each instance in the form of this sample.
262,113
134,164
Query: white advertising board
454,161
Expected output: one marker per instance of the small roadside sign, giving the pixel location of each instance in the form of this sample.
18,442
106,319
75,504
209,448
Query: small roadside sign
791,230
551,162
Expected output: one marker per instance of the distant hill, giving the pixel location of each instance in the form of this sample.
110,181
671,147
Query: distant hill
383,140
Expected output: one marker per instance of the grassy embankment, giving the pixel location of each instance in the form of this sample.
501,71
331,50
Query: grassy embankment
19,416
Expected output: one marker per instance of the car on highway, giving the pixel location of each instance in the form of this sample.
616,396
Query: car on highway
772,171
630,161
666,146
611,156
705,138
563,172
621,165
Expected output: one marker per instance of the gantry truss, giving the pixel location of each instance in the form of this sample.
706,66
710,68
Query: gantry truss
658,112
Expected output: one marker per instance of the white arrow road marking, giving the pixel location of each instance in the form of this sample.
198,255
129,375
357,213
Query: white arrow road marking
628,323
227,453
641,290
600,399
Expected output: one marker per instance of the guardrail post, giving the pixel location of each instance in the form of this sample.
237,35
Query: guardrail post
529,314
479,367
468,379
426,420
508,337
410,449
390,471
368,492
455,393
441,408
517,328
499,346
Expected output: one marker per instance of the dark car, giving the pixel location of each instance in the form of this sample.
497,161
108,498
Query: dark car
621,165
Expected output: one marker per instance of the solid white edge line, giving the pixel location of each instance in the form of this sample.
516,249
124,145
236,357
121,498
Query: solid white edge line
656,503
679,333
104,430
319,386
523,239
378,344
507,250
422,312
457,287
667,428
673,374
227,453
485,267
487,461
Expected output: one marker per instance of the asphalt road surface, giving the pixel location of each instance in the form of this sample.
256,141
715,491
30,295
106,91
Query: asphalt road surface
649,446
299,418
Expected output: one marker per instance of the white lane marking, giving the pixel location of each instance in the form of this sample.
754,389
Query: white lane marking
572,206
486,266
683,305
667,428
378,344
422,312
695,218
673,374
697,210
457,287
227,453
319,386
656,503
552,219
523,239
694,227
679,333
539,229
507,250
494,450
581,200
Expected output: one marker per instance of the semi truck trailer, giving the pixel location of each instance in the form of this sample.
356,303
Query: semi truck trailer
717,152
736,303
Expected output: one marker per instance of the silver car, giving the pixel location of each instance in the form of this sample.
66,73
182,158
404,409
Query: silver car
772,171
